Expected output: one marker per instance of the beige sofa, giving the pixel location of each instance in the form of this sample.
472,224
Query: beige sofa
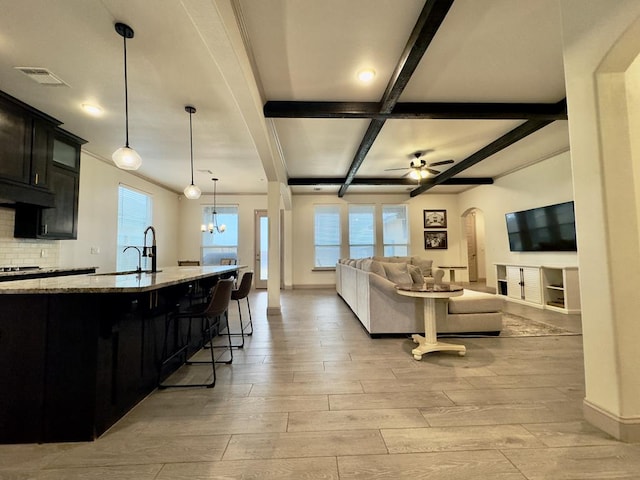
368,287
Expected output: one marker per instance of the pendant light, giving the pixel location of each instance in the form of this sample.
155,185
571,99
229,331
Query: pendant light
126,157
192,192
213,226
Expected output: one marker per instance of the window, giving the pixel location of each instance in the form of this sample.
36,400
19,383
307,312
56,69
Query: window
362,231
216,246
327,235
134,216
395,231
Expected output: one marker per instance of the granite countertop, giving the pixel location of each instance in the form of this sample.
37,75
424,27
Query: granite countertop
105,283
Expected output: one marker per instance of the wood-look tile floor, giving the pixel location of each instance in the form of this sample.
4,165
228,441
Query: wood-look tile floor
311,396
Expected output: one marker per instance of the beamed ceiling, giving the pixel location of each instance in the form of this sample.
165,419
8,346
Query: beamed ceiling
274,83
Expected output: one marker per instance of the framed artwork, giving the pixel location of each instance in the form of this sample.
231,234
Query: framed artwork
435,219
435,240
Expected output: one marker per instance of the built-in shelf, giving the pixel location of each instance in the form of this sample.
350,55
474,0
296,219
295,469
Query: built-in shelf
555,288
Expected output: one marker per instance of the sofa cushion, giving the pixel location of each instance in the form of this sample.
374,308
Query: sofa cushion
377,268
397,272
475,302
424,265
359,262
395,259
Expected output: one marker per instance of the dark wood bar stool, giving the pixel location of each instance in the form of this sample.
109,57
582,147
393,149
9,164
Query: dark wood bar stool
238,294
214,318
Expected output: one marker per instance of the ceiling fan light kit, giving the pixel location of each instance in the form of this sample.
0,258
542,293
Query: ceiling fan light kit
126,157
419,168
192,192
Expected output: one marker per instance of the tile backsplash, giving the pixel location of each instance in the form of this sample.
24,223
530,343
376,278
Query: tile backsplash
24,252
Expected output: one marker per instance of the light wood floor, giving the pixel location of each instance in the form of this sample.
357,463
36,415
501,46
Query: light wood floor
313,397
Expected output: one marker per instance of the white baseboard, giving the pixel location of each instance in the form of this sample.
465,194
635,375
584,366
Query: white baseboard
623,429
315,287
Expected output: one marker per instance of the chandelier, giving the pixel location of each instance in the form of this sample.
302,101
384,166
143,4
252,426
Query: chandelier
213,225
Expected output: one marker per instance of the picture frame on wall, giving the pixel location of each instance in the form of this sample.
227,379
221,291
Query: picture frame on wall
435,219
435,240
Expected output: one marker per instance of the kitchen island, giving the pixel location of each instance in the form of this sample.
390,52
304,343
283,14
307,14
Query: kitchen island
78,352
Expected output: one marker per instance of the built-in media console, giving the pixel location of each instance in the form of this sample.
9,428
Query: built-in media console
553,287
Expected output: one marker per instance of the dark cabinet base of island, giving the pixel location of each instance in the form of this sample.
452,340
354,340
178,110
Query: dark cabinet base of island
73,364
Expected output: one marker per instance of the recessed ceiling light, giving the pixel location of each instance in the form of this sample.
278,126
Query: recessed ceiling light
366,75
91,109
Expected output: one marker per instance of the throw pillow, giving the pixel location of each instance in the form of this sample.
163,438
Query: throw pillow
377,268
423,264
397,259
416,274
397,272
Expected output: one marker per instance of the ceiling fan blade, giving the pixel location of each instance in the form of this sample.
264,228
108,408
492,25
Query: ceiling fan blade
405,174
442,162
432,171
392,169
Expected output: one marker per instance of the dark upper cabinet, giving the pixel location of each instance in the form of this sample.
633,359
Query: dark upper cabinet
41,148
63,176
26,145
15,143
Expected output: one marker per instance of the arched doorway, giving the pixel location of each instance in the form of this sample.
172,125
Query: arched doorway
474,244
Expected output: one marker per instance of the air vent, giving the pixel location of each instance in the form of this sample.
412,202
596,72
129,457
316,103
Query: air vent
42,76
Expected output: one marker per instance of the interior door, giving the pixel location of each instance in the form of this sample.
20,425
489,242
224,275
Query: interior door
472,247
261,266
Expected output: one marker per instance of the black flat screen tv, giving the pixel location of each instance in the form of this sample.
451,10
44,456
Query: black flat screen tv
545,229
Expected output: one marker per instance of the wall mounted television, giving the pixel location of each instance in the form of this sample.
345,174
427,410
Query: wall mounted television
544,229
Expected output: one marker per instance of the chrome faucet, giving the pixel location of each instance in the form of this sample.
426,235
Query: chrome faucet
139,269
151,251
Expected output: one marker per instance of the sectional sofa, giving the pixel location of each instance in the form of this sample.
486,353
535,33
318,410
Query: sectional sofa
368,287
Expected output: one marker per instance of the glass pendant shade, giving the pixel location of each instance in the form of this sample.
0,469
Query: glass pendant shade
415,174
126,158
222,228
192,192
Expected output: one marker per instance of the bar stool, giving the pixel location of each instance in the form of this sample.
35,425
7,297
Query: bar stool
211,315
238,294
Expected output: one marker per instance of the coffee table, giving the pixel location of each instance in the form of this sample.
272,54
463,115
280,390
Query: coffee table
430,294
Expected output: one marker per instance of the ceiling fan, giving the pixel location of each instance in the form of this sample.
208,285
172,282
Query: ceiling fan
419,169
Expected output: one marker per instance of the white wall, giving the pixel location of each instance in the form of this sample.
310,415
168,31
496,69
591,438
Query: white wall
544,183
98,217
600,45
